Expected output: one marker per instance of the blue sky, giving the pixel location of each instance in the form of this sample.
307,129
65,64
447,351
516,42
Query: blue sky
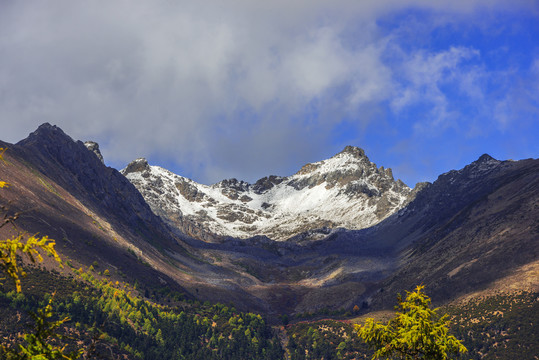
220,89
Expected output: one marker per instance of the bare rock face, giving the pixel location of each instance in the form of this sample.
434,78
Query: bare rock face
78,168
138,165
266,183
345,191
94,147
468,228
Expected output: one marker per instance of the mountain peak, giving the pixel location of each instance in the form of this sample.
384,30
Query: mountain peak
46,128
485,162
485,158
350,159
354,151
47,132
346,190
137,165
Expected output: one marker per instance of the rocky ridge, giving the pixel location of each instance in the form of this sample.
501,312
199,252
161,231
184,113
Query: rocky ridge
468,230
347,190
77,167
94,147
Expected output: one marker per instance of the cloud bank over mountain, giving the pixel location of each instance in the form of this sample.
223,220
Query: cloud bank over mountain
221,89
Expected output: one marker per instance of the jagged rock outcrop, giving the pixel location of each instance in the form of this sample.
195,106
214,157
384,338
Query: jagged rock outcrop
138,165
347,190
94,147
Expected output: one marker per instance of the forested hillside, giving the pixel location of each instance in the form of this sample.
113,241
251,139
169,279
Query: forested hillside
111,320
503,326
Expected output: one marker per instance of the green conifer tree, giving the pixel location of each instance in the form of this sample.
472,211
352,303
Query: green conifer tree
416,332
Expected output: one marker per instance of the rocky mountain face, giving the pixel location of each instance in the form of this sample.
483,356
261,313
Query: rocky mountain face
346,191
465,232
471,228
94,147
83,173
61,188
354,235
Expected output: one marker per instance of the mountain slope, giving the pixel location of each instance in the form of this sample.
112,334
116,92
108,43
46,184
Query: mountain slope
61,189
492,234
345,191
468,230
69,163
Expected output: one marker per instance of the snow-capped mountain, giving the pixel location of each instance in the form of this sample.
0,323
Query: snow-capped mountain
346,190
472,229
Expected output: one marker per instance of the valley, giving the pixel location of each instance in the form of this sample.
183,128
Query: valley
339,233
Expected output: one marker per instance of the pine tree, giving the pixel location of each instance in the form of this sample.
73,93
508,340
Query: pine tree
416,332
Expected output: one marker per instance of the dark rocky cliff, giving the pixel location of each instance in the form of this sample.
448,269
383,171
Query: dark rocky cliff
80,171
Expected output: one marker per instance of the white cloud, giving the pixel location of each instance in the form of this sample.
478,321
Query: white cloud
423,76
194,81
519,104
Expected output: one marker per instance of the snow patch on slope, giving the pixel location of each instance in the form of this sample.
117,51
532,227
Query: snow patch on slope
344,191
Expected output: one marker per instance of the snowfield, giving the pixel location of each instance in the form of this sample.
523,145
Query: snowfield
346,190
